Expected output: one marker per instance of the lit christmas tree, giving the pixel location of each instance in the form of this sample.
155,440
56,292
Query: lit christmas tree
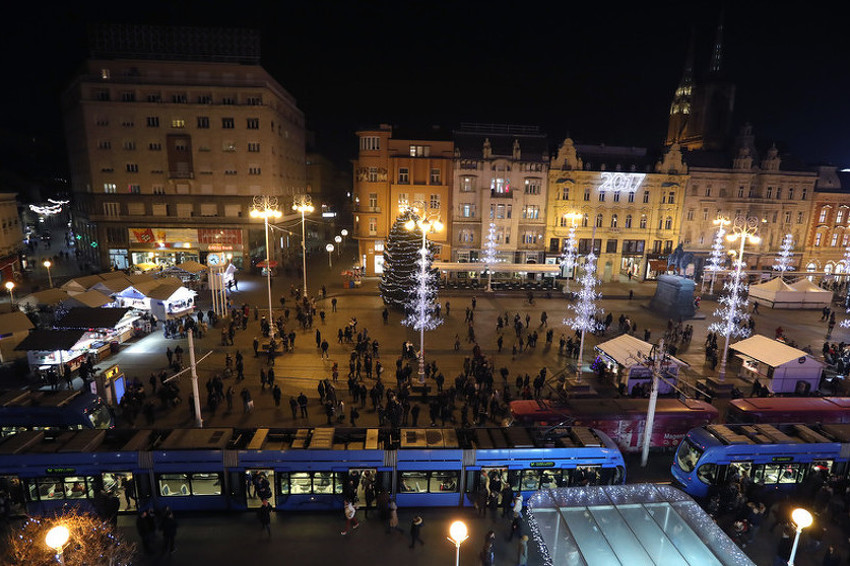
846,261
421,303
717,259
785,255
400,256
585,305
731,312
489,254
568,258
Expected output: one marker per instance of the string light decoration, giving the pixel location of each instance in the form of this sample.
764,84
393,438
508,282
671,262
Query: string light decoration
731,312
91,541
785,255
55,207
490,254
569,256
717,259
422,301
400,257
585,306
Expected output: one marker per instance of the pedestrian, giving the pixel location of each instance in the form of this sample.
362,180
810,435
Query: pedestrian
276,393
333,304
169,531
522,551
293,405
416,531
393,520
488,554
355,414
516,526
350,519
146,525
265,515
302,403
256,345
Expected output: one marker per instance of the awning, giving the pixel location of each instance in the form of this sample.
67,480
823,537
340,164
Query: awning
50,340
84,317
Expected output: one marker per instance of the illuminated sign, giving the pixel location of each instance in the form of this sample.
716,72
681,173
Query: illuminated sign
782,459
59,471
542,464
621,181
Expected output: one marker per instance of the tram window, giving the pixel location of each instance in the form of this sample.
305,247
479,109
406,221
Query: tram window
740,470
687,456
443,482
339,482
47,489
782,473
707,473
820,466
413,482
550,479
323,482
300,482
172,485
283,483
530,480
75,487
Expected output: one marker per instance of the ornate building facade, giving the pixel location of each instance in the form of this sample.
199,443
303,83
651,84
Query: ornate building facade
628,208
828,235
393,170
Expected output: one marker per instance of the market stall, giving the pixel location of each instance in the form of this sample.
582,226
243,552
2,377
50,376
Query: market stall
81,284
777,366
164,298
14,327
776,293
102,324
623,357
92,299
813,296
50,349
49,298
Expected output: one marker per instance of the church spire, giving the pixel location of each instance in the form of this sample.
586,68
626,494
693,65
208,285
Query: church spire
716,62
681,107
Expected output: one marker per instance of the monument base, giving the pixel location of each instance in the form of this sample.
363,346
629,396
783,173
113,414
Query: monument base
576,389
674,297
716,388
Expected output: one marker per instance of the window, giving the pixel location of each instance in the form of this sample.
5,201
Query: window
690,215
804,194
586,195
227,123
563,223
708,191
109,188
209,209
799,218
787,218
531,212
185,210
834,241
435,202
611,247
370,143
104,144
818,238
565,193
129,145
529,237
671,197
467,184
631,196
132,168
599,220
628,221
584,221
428,482
328,483
153,121
373,226
373,201
155,146
205,99
178,123
822,217
614,221
633,247
769,192
839,216
778,193
253,147
203,122
584,246
532,186
254,170
228,100
668,223
127,122
645,197
465,237
601,196
402,200
643,221
111,209
775,215
500,186
790,194
664,199
159,209
178,485
436,176
158,190
254,101
179,98
154,97
751,193
420,150
741,191
134,189
403,176
253,123
61,487
372,174
101,94
467,210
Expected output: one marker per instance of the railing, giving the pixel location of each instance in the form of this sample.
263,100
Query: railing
496,194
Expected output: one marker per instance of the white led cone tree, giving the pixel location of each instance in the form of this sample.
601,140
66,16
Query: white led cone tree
490,253
585,307
785,255
717,258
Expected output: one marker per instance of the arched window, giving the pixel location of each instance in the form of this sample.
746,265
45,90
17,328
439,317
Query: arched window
643,221
628,221
822,217
613,221
599,220
668,223
584,221
671,198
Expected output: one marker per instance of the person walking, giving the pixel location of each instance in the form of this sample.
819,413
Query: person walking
392,525
522,551
302,403
169,531
264,513
416,531
277,393
146,525
293,406
351,522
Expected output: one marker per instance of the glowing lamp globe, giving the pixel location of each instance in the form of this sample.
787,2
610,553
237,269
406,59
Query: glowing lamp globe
57,537
802,518
458,531
329,248
410,225
47,264
10,285
337,239
344,232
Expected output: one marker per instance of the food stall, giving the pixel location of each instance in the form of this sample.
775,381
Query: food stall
623,357
777,366
92,299
50,349
164,298
102,325
352,278
14,327
49,298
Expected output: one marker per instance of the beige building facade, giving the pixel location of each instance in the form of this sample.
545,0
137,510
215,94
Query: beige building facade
166,154
11,238
828,235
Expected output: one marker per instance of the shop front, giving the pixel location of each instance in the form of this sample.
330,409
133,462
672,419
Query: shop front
166,247
108,325
49,350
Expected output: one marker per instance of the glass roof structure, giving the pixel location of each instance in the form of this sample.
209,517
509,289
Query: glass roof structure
634,525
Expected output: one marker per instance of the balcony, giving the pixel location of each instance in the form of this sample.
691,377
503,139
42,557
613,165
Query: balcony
374,209
181,175
496,194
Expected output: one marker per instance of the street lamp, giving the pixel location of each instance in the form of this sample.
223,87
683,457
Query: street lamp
330,249
802,519
9,286
47,264
457,534
425,225
57,538
265,207
744,228
303,204
338,240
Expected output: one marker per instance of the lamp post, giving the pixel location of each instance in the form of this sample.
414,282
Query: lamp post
265,207
457,534
338,240
57,538
47,264
330,249
9,286
304,205
343,233
426,225
744,228
802,519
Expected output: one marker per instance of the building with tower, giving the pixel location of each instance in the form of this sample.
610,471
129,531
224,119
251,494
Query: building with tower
171,132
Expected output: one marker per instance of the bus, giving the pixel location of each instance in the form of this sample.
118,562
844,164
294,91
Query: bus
827,410
33,410
780,456
623,420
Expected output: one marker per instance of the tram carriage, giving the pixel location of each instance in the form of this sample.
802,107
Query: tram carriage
302,469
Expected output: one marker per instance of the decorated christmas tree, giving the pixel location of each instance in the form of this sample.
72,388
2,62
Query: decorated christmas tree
568,258
717,259
731,312
785,255
400,257
489,254
421,302
585,306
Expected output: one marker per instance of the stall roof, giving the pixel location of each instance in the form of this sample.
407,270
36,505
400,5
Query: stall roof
16,321
625,349
82,283
50,340
771,352
805,285
192,267
92,298
776,284
498,267
137,278
85,317
113,284
47,297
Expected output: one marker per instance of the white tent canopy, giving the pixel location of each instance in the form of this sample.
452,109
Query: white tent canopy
814,296
628,351
778,363
776,293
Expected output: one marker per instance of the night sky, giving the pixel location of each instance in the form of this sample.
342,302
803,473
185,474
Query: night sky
600,71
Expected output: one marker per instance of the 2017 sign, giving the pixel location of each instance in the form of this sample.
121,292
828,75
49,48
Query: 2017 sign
621,181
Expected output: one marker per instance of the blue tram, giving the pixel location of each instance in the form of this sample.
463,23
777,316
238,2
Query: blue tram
296,469
779,456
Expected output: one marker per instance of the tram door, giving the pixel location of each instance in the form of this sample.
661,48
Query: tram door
586,475
258,486
14,490
357,482
123,486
